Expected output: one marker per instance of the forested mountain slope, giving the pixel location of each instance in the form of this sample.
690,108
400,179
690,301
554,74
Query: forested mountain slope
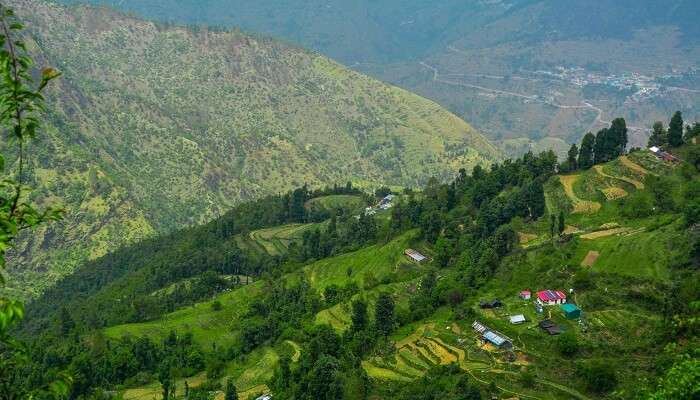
537,73
153,127
344,313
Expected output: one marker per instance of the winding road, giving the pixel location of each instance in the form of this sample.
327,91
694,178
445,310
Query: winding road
584,105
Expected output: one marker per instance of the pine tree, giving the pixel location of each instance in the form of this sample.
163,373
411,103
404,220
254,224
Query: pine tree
603,145
618,137
675,130
573,158
384,314
359,316
552,224
562,223
231,392
658,135
585,155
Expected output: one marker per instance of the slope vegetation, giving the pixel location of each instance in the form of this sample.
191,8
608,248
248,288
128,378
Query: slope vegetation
153,127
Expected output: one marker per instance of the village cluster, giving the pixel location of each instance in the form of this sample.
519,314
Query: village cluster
544,298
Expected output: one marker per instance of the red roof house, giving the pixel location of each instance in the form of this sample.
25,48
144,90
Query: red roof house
551,297
525,295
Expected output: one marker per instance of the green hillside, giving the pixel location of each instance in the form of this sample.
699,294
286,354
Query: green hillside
629,263
153,127
529,74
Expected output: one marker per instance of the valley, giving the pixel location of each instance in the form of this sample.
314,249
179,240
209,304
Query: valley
153,127
198,213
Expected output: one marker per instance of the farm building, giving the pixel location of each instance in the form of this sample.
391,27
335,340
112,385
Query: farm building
498,339
525,294
414,255
491,304
550,327
551,297
571,311
517,319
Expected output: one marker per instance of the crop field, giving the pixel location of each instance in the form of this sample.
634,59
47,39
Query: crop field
336,202
373,262
274,241
207,326
580,205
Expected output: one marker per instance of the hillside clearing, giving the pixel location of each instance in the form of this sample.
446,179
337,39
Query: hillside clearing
590,259
580,206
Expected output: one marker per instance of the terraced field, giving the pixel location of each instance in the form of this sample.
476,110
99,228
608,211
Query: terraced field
580,205
336,202
274,241
419,352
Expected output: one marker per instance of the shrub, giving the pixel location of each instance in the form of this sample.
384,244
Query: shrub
598,375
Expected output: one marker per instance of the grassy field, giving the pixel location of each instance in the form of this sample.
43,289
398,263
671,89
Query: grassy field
371,264
276,240
207,326
331,203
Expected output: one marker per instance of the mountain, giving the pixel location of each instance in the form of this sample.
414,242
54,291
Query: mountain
527,73
221,299
154,127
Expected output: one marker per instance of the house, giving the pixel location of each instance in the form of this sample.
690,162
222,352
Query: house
479,327
571,311
517,319
550,327
666,156
489,335
491,304
654,149
551,297
414,255
498,340
265,397
525,294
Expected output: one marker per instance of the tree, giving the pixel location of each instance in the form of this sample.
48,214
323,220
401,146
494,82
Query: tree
231,392
359,316
658,135
562,223
572,158
166,380
443,251
681,381
384,314
552,224
675,130
692,132
585,155
599,376
535,199
618,137
567,344
325,380
21,100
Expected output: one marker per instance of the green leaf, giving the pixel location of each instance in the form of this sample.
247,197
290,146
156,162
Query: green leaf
47,75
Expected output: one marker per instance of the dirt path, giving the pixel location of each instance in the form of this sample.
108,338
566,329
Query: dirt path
637,184
580,206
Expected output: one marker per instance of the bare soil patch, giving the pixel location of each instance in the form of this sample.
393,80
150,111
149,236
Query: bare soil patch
590,258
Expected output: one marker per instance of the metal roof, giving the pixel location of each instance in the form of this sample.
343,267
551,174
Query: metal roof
494,338
516,319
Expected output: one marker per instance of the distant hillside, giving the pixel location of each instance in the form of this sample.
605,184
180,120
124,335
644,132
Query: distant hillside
154,127
498,61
